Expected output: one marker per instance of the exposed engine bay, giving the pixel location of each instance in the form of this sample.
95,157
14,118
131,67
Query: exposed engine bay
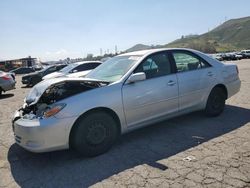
55,93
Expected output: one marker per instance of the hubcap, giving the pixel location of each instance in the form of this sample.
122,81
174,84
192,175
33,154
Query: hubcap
217,102
96,133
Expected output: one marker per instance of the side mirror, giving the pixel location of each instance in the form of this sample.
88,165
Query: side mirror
137,77
74,71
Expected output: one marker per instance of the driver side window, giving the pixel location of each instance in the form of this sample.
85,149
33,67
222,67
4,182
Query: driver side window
155,65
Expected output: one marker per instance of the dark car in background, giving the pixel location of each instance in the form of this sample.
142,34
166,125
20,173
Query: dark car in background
23,70
229,56
34,78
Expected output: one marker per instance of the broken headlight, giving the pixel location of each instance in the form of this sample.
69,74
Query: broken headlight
53,110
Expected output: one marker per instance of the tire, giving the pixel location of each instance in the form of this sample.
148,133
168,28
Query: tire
32,82
1,91
94,134
216,102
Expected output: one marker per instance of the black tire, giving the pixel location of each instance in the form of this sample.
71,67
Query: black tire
94,134
216,102
1,91
32,82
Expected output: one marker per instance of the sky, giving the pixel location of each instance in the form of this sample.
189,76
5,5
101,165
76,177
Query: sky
56,29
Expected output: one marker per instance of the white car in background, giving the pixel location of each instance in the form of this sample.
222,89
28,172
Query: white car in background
74,70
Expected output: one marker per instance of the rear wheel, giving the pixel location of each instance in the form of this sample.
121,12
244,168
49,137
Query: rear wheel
1,91
216,102
94,134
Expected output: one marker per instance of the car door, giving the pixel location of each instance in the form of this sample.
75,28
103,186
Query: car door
195,76
154,97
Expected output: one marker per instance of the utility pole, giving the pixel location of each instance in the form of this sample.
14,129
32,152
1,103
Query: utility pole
115,49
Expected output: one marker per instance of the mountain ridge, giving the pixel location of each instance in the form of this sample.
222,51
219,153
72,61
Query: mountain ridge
233,34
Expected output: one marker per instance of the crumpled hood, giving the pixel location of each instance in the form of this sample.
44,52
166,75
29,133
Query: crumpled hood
53,75
37,91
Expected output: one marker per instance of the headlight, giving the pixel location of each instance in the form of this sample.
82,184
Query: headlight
53,110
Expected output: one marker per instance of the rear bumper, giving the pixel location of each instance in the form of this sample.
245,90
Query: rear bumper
8,85
233,87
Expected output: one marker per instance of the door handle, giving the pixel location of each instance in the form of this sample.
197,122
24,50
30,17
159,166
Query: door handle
171,83
210,73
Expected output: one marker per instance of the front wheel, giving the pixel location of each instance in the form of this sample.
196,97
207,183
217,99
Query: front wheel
216,102
94,134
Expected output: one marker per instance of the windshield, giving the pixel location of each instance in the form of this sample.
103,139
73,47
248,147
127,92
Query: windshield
113,69
68,68
44,69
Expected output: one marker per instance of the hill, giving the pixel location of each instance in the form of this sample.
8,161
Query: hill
233,34
138,47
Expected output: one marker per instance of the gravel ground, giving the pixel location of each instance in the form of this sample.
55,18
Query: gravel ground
188,151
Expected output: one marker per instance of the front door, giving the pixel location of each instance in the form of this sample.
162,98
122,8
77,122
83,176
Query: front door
154,97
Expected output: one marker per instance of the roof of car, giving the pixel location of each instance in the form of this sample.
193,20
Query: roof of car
82,62
147,52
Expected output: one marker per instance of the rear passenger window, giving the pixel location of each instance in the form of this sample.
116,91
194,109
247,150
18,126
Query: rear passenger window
187,62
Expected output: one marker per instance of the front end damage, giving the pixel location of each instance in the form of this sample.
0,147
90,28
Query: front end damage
34,125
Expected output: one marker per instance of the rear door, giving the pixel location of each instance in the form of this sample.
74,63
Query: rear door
195,77
154,97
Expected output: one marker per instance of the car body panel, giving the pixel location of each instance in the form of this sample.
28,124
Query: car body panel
193,85
150,99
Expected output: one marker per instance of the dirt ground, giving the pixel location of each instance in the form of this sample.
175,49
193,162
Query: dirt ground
188,151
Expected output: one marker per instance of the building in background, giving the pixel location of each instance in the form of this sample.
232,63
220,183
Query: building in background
15,63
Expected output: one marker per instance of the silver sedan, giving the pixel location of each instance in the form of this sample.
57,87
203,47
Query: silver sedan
126,92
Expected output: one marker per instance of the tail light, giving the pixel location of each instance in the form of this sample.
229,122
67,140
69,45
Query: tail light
6,77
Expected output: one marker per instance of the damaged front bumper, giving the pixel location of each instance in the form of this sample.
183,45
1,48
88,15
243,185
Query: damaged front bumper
41,135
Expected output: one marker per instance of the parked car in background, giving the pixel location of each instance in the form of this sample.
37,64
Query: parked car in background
6,82
74,69
245,53
228,56
37,67
238,55
124,93
23,70
34,78
217,56
12,74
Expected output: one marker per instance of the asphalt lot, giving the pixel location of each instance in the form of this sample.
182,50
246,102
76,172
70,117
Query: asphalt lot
188,151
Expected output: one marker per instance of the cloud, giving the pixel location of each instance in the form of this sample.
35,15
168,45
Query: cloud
55,55
60,54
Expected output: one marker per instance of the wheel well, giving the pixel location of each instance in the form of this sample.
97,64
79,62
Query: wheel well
99,109
223,87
